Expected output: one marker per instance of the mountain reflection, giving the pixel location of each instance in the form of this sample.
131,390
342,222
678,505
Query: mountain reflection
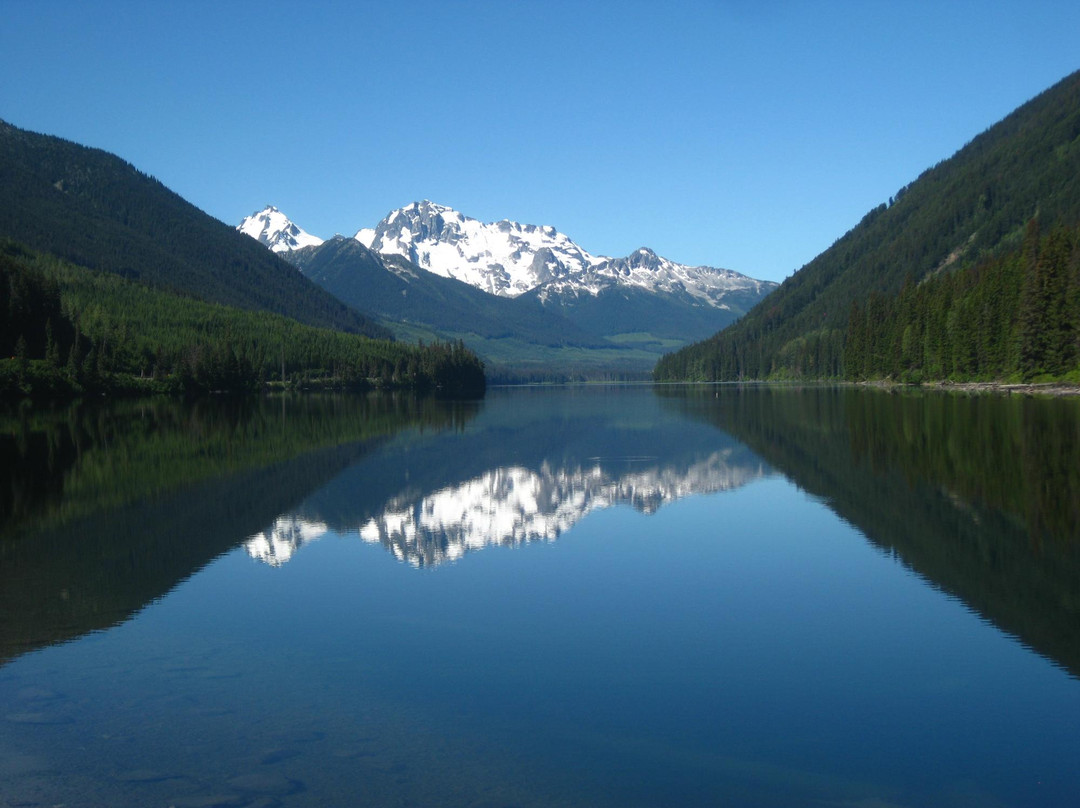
513,505
276,544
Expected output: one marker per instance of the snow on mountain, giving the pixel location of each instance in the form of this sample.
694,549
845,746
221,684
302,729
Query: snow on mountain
647,270
273,228
506,258
502,258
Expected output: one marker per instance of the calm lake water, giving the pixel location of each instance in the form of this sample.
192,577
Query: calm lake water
733,596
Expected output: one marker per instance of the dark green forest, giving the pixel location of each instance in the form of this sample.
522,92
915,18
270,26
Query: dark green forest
1013,317
957,220
68,330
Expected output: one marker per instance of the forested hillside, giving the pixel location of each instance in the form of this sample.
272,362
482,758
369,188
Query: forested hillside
970,210
1012,317
91,208
70,330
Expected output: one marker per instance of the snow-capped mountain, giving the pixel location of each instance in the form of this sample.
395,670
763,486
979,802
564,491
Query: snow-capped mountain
509,259
646,270
273,228
502,258
516,292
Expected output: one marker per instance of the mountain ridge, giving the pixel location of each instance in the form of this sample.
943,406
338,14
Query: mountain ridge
509,259
96,210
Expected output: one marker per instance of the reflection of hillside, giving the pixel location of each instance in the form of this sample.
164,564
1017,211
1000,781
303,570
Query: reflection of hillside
513,505
62,465
72,561
978,494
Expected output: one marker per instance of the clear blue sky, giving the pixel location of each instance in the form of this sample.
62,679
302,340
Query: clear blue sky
747,135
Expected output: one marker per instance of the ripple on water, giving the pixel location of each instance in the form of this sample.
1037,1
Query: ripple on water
266,782
38,717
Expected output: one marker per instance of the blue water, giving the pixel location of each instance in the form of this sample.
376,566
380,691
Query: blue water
745,646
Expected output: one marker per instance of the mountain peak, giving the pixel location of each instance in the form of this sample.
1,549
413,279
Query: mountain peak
503,258
427,205
273,228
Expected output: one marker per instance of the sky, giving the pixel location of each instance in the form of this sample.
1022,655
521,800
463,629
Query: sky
744,135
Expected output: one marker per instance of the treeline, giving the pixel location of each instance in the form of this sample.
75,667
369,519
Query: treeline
69,330
965,210
1015,317
509,374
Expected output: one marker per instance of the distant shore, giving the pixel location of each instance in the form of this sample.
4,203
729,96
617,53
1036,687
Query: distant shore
1020,388
1048,389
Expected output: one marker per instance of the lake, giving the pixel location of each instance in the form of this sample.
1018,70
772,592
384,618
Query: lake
584,596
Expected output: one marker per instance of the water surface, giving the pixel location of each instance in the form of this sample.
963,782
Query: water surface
741,596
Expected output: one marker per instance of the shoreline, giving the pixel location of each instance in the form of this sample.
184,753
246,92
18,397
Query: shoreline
1053,389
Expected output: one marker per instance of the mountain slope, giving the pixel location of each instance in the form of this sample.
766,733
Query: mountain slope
397,290
644,269
93,209
966,208
1013,318
647,293
73,331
